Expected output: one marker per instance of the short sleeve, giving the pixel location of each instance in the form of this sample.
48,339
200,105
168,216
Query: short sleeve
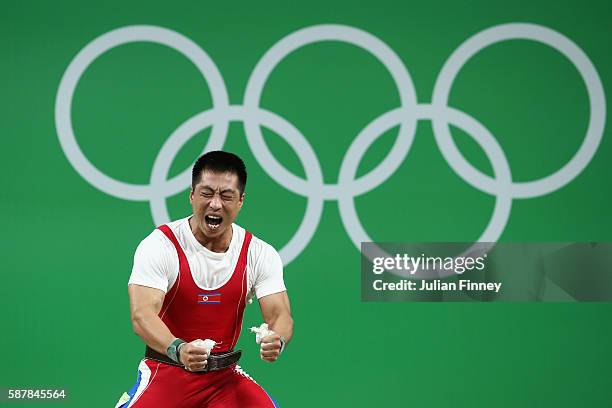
151,264
268,272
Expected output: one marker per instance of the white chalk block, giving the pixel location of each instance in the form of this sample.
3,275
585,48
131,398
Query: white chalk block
207,344
261,332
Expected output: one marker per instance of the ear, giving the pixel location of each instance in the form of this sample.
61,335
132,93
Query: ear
241,201
191,196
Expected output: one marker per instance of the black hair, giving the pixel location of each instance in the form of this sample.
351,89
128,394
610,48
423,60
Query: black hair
219,162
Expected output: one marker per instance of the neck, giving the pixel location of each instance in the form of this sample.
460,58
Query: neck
214,244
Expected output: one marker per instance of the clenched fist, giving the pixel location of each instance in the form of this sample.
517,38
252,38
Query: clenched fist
193,357
270,347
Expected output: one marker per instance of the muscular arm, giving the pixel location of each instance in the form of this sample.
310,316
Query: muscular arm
276,311
145,304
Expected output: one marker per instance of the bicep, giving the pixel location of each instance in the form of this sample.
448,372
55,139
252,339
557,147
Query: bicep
144,299
274,305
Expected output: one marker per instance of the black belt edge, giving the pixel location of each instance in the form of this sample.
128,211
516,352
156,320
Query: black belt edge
216,361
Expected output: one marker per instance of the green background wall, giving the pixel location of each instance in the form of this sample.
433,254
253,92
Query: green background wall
67,247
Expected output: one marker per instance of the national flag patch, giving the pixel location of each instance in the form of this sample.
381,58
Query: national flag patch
209,298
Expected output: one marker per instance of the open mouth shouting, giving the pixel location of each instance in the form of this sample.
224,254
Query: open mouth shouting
213,221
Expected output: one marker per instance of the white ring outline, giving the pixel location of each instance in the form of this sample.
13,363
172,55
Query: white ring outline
557,41
490,146
70,79
331,32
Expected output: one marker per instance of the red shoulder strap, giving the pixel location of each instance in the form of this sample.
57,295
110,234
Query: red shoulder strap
241,272
183,266
242,258
168,232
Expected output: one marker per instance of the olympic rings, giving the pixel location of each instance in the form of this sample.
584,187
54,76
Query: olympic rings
348,186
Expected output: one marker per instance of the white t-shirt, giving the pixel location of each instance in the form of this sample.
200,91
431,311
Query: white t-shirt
156,263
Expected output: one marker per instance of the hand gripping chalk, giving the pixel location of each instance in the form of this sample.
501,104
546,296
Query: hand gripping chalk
207,344
261,332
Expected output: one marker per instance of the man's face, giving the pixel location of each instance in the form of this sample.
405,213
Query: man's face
216,202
